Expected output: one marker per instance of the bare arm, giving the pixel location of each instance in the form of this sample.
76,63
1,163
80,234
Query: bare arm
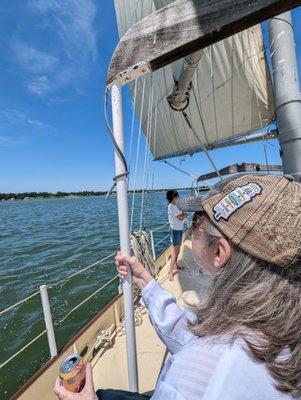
181,216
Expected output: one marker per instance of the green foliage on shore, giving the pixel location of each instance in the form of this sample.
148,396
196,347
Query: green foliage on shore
46,195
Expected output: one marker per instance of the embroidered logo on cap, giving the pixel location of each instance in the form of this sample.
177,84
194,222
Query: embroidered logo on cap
235,200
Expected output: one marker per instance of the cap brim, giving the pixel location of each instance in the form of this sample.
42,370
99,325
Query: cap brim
192,204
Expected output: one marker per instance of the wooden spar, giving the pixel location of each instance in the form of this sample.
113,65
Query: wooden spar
184,27
239,168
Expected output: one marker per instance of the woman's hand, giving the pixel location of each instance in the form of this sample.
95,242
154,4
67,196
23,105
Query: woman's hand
88,392
141,276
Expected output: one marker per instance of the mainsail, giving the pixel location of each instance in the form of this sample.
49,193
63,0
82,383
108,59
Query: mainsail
231,91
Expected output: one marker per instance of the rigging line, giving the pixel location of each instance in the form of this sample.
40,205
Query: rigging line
164,137
155,132
133,121
168,110
117,148
19,302
84,301
181,170
255,92
149,113
203,147
23,348
265,153
137,153
148,184
82,270
164,106
232,84
213,92
199,106
200,114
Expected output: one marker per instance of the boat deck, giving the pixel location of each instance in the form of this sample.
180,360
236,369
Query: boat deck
151,352
102,340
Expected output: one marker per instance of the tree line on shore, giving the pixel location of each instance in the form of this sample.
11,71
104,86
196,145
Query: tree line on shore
45,195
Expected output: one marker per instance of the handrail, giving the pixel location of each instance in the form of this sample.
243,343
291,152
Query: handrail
22,349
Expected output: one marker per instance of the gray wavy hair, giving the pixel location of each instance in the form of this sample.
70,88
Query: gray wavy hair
260,303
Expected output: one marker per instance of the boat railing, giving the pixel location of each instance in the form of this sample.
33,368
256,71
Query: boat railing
43,291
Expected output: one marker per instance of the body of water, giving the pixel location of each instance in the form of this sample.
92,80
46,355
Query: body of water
45,241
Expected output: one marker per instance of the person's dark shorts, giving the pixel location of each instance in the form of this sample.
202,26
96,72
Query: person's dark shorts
176,237
113,394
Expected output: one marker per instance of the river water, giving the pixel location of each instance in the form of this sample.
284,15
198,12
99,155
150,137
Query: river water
43,242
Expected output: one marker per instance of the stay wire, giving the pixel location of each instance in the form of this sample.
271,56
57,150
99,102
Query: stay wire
117,148
204,148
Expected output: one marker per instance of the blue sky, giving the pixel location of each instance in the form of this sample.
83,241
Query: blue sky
54,56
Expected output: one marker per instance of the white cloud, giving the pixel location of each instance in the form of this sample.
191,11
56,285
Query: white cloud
6,141
16,120
74,20
32,59
67,59
40,85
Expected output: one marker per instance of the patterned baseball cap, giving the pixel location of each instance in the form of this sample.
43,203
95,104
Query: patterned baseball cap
259,213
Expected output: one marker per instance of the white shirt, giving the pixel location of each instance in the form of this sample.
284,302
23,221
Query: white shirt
174,222
203,369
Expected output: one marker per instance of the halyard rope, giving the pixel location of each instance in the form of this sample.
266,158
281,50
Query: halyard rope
140,244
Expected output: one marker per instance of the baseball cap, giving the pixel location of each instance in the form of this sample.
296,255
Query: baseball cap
259,213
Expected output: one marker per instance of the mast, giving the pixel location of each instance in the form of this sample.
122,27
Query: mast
123,217
287,94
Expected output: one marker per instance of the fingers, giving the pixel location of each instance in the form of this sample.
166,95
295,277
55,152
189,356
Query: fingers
89,378
59,389
122,271
122,261
122,258
57,385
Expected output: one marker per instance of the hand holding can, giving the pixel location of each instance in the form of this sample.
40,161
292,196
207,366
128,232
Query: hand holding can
73,373
87,392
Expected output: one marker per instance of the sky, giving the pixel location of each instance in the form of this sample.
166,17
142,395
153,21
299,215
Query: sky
54,56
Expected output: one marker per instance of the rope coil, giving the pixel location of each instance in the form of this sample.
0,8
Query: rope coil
141,246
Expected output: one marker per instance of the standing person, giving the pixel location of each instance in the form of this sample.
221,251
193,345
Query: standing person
176,218
243,342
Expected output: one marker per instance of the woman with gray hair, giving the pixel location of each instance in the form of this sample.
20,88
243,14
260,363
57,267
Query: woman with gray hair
244,342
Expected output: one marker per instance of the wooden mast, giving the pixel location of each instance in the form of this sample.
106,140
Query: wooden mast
184,27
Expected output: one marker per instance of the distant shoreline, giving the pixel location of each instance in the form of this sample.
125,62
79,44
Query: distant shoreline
47,195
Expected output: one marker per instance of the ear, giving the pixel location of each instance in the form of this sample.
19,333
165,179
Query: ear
222,253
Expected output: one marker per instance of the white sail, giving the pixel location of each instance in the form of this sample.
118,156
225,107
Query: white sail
232,90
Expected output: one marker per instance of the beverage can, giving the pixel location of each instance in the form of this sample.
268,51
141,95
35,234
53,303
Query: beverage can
73,373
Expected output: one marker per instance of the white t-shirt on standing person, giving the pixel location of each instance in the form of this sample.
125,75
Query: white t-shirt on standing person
174,222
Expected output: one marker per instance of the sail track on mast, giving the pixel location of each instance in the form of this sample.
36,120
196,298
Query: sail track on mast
232,89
